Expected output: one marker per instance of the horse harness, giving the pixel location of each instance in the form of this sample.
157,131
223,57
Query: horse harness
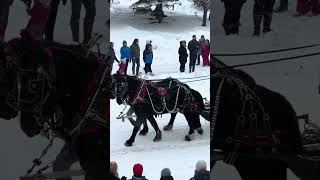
247,133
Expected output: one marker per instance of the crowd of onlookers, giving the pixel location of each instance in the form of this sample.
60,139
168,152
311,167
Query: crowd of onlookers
200,173
262,13
43,15
131,54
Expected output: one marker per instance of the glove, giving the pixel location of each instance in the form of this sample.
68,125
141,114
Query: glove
123,178
64,2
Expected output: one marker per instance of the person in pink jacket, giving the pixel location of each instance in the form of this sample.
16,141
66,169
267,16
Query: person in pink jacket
39,14
205,52
305,6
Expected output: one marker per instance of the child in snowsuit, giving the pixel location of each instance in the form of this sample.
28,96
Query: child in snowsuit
305,6
205,51
39,14
4,13
148,58
125,53
122,66
183,55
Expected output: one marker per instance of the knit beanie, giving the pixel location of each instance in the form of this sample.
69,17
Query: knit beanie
165,172
201,165
137,170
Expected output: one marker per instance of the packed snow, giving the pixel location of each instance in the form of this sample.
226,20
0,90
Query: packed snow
17,150
297,80
172,151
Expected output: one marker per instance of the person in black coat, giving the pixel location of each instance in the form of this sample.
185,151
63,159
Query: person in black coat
232,16
4,14
193,47
52,18
201,172
183,55
262,10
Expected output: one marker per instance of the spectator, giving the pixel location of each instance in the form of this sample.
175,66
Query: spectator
193,47
201,172
135,56
137,172
4,14
262,9
201,42
148,58
305,6
125,53
232,16
112,57
38,19
183,55
114,172
205,51
166,174
90,6
52,18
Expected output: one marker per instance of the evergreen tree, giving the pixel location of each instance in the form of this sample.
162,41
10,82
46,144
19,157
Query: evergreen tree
145,7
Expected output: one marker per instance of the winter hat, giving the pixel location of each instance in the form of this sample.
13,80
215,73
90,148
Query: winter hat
165,172
201,165
137,169
113,168
124,42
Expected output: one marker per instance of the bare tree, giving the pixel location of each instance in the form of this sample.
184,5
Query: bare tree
205,5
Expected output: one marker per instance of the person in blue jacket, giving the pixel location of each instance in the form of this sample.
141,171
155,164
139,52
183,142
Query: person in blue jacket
148,58
125,53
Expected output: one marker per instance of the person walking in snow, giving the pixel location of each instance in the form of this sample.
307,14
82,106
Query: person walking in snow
231,20
135,57
90,6
193,47
262,10
205,51
166,174
183,55
201,42
306,6
201,172
137,172
4,14
52,18
39,14
125,54
148,58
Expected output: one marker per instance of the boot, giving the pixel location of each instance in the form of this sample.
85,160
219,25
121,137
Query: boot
87,31
267,23
75,30
257,21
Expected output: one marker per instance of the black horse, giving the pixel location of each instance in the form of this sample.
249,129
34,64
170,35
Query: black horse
149,99
253,128
50,85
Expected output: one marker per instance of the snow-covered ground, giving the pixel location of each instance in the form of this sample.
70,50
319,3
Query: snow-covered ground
17,151
172,152
297,80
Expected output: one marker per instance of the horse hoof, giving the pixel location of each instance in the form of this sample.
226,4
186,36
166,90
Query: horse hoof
200,131
143,133
168,127
128,144
187,138
158,137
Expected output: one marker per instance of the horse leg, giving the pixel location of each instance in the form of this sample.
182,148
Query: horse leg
154,124
136,128
189,119
197,124
169,126
92,150
145,129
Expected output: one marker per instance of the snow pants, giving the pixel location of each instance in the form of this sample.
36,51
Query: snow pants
4,14
304,6
182,66
262,10
192,63
90,6
147,68
232,16
52,19
135,70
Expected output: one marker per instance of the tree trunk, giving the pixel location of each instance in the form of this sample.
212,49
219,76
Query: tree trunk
204,18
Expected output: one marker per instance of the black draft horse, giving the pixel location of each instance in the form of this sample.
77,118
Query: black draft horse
149,99
253,128
51,84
